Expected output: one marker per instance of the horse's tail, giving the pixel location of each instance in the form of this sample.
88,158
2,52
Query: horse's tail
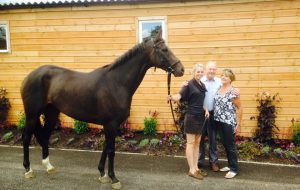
34,91
22,86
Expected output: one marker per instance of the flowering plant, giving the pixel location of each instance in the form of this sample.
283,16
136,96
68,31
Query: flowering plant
150,124
267,109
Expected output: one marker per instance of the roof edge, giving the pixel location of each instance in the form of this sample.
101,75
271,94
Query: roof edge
79,3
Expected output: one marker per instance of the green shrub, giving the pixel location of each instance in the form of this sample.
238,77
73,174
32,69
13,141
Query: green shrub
4,105
154,142
296,136
80,127
21,121
101,141
7,136
150,124
290,154
249,150
266,150
279,152
143,143
118,140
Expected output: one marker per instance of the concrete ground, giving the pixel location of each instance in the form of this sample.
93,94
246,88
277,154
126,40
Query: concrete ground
78,170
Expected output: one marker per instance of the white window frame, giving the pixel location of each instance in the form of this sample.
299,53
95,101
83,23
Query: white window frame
161,19
5,24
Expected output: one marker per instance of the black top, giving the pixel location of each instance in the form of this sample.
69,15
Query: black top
194,95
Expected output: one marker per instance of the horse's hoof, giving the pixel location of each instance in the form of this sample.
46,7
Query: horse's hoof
116,185
104,179
51,170
29,174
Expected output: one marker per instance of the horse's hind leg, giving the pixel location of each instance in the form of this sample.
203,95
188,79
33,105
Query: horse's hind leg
30,126
43,135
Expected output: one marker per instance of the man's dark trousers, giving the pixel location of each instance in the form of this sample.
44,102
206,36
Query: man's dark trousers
209,130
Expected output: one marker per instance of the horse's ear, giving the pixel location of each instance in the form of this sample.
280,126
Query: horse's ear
158,35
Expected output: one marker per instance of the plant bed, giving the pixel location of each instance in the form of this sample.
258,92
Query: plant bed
283,151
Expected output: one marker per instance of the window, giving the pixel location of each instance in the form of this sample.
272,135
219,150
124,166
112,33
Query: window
149,26
4,37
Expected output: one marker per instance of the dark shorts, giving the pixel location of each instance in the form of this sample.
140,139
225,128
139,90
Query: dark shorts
193,124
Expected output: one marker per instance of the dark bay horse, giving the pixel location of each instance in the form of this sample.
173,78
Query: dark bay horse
102,96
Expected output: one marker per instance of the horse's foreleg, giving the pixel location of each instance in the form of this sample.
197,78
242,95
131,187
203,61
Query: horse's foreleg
111,157
109,150
110,139
103,178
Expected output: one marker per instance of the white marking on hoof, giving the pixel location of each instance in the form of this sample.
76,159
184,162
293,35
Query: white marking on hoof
50,169
30,174
116,185
104,179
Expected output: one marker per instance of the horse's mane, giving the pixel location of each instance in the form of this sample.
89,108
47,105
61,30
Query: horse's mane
123,58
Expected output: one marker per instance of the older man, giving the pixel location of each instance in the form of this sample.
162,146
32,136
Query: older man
212,84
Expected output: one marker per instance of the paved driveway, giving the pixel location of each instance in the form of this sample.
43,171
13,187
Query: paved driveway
78,170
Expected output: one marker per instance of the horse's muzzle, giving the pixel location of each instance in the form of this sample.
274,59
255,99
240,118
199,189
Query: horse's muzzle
178,71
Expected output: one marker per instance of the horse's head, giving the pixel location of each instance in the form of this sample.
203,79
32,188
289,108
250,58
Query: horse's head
162,57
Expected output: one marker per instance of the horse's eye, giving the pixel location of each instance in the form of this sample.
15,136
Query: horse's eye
165,49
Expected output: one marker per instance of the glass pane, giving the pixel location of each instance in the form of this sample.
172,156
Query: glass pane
150,29
3,43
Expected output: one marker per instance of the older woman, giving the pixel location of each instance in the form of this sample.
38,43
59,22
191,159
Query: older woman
228,115
194,94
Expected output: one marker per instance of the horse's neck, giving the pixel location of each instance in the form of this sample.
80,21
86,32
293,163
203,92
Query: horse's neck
132,72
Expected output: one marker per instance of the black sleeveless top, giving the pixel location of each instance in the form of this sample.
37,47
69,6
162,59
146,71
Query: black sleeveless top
194,95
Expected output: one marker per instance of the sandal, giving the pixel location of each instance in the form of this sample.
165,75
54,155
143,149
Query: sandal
225,169
230,175
196,175
202,172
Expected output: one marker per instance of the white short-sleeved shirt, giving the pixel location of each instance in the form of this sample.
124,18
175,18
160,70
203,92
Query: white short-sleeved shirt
212,87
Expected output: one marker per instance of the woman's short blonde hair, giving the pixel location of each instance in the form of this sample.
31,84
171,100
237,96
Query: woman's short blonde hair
196,66
229,73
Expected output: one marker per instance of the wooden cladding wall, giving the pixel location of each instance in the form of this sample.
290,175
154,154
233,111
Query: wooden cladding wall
259,40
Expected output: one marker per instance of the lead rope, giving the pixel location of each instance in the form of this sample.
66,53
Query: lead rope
171,105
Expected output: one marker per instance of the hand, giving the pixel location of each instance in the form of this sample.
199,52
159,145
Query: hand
237,128
206,114
185,83
236,92
169,97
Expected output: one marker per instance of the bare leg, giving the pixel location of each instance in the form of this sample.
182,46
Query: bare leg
190,152
196,151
